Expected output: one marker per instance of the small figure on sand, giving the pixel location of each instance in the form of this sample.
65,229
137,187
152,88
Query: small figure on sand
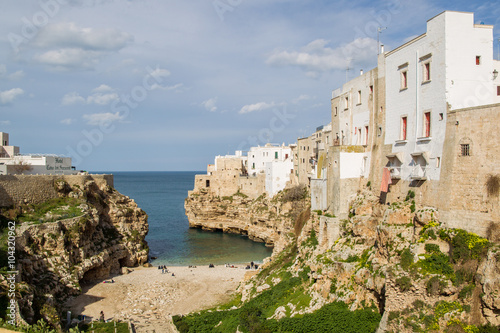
251,264
101,316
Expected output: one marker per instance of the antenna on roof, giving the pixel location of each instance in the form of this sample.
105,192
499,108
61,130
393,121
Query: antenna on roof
379,30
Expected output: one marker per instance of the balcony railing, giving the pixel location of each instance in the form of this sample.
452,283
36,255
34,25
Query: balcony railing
419,173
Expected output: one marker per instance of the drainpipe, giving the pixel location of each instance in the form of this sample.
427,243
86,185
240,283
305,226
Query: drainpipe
416,97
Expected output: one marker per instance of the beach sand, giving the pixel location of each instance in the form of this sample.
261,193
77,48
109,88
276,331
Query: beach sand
149,299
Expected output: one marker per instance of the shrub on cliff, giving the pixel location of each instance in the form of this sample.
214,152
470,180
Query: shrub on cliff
295,193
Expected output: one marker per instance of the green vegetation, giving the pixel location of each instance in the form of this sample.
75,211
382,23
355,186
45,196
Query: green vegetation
311,241
466,246
100,327
333,317
406,259
466,291
410,195
435,285
51,210
404,283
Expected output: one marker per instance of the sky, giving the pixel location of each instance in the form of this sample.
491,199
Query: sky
161,85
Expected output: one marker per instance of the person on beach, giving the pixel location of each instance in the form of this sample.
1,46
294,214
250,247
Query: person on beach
251,264
101,317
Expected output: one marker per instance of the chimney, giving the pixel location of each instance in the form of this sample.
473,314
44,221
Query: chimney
361,72
382,48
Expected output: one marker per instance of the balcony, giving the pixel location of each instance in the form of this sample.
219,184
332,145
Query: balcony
395,172
419,173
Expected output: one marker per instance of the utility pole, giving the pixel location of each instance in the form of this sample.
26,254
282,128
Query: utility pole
379,30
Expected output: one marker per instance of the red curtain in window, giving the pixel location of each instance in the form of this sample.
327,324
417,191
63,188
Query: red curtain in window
427,124
403,129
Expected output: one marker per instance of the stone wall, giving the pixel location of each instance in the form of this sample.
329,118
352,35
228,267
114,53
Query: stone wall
461,194
34,189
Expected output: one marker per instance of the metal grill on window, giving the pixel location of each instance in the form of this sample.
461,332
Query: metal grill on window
465,148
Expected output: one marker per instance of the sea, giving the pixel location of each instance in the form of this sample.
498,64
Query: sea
161,195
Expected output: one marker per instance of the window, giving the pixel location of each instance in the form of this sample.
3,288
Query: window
478,60
465,149
336,111
286,156
207,183
498,94
366,136
359,136
404,79
371,89
379,131
359,97
441,116
253,165
427,124
347,103
438,162
427,71
276,155
404,126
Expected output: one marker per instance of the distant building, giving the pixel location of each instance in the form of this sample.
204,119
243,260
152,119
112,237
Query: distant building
263,169
12,162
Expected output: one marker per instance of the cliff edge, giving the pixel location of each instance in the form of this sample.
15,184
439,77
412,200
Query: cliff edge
85,232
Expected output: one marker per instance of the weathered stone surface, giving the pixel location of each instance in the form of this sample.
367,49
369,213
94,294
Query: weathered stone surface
54,258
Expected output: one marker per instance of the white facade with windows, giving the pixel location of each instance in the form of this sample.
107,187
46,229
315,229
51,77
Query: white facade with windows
259,156
12,162
449,67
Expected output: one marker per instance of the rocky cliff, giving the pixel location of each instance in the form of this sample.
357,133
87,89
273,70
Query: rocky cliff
263,219
395,259
57,253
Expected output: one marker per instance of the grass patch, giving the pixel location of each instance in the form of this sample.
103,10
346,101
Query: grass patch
52,210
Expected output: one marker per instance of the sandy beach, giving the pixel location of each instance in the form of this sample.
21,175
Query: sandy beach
149,299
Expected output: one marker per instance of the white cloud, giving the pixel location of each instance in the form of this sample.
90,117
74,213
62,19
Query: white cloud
97,119
103,88
96,98
301,98
317,57
8,96
209,104
69,35
256,107
13,76
102,99
70,58
159,72
72,98
177,87
16,75
67,121
4,122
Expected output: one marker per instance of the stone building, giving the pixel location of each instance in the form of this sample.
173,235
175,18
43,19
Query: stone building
427,116
12,162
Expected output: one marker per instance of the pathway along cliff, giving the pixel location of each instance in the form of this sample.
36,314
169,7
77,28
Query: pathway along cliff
83,232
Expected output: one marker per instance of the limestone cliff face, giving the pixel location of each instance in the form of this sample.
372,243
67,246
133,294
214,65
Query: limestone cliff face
398,258
262,219
54,258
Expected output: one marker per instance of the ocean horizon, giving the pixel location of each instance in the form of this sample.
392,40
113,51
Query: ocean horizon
161,195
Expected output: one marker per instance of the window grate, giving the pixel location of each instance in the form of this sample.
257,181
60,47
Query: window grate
465,148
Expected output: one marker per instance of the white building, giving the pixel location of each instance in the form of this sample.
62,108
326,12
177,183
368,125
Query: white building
449,67
259,156
11,162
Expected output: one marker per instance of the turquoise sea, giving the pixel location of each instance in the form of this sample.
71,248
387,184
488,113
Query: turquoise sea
161,195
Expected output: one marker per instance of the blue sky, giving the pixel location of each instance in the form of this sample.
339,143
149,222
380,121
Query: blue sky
167,85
